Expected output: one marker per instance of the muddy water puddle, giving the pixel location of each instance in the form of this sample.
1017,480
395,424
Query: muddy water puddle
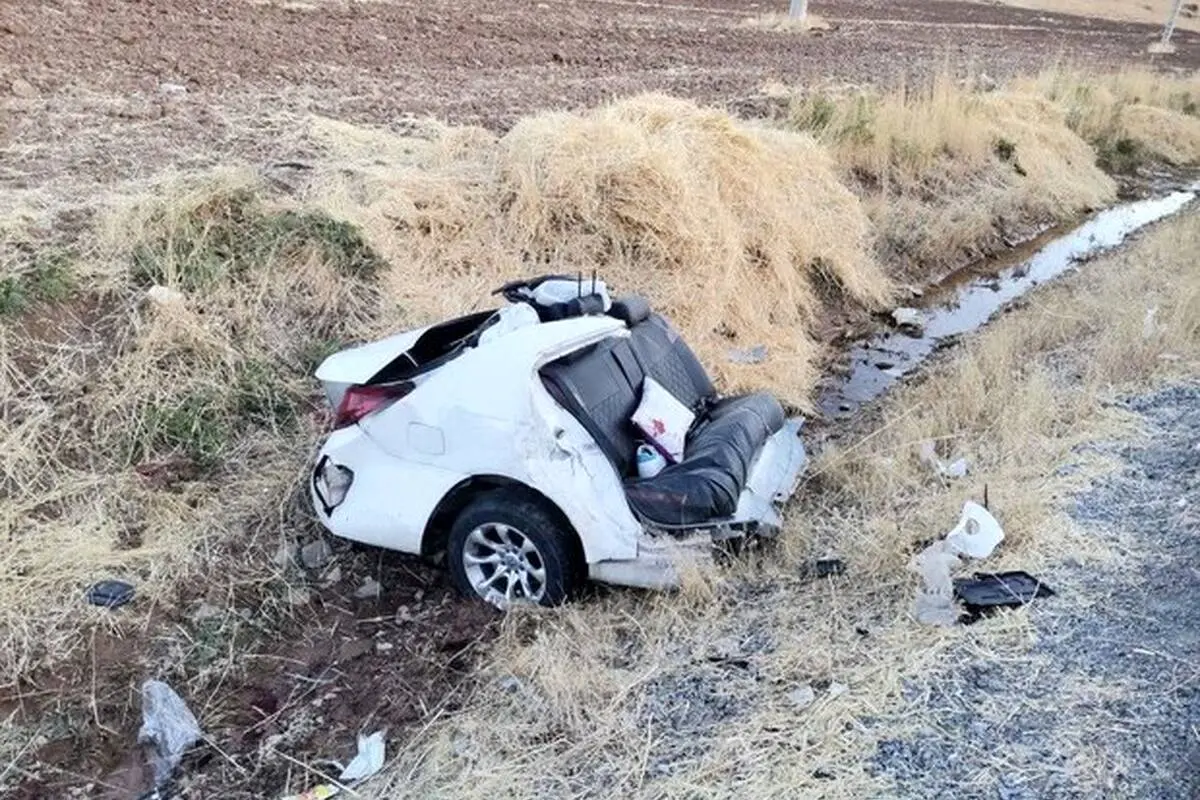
966,300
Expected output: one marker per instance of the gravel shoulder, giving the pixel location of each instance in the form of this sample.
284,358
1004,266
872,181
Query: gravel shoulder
1110,690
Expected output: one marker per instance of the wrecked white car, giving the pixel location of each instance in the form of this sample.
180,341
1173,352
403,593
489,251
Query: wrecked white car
505,440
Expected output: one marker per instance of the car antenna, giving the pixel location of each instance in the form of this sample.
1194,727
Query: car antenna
579,283
593,281
985,497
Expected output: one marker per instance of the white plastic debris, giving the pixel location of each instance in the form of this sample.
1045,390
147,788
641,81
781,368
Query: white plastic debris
749,355
367,762
977,532
947,469
1150,325
975,536
935,601
168,726
802,697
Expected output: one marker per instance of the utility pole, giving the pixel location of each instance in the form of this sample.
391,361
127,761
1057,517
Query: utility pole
1164,45
799,9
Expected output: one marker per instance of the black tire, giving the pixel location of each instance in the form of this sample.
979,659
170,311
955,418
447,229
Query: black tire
554,545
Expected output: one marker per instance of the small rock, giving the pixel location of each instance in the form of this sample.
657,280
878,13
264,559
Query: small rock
23,88
13,26
163,296
802,697
286,554
316,554
368,590
206,611
909,318
297,596
172,88
383,647
510,684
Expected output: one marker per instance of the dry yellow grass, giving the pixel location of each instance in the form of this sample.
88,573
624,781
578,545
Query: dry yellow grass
1128,116
948,174
736,231
643,696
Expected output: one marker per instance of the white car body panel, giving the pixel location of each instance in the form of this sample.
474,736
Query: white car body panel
486,413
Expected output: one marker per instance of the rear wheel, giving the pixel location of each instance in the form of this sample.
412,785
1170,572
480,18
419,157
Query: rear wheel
507,549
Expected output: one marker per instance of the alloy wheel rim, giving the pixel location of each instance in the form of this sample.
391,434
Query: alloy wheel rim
503,565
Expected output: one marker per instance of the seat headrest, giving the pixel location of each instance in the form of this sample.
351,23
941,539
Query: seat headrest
631,309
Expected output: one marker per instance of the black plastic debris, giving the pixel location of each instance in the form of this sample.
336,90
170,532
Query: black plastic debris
988,591
110,594
825,567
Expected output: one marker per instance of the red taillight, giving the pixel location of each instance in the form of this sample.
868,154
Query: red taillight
362,400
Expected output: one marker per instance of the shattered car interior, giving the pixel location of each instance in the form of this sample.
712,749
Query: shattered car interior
506,441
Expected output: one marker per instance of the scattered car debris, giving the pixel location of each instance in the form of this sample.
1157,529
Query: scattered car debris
168,727
316,554
911,318
366,762
975,536
947,469
749,355
825,567
977,532
986,592
110,594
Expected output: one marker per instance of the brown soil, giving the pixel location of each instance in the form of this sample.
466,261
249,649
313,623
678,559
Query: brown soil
272,693
85,80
